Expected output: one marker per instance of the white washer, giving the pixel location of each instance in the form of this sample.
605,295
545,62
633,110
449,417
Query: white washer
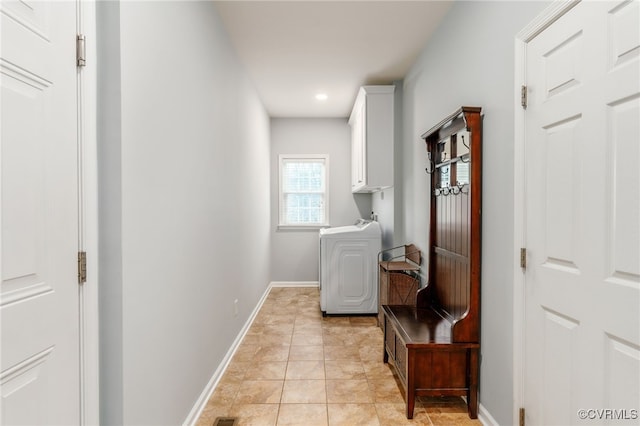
348,268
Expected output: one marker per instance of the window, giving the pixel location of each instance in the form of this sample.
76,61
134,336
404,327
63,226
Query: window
304,199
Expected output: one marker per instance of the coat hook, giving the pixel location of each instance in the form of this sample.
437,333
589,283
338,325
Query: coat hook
468,150
464,143
431,163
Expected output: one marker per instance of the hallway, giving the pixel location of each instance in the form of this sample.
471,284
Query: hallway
295,367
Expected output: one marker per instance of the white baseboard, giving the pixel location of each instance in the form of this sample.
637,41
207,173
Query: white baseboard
485,417
294,284
201,403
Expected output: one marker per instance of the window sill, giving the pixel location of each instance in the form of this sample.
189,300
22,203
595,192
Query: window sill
302,227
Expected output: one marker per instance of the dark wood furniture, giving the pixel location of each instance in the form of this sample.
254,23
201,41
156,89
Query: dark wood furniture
435,344
398,281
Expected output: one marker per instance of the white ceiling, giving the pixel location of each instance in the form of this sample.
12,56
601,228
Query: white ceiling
295,49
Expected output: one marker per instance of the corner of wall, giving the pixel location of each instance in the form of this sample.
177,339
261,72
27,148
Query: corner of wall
110,217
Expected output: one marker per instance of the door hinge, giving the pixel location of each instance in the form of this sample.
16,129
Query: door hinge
523,258
82,267
81,59
521,420
523,96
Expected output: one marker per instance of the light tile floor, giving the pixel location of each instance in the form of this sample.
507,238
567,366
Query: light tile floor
295,367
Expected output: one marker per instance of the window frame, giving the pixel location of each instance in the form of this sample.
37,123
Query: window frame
282,158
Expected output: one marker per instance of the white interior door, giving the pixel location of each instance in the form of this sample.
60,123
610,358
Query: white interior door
582,282
39,303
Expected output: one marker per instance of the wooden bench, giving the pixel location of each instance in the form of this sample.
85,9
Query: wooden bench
435,344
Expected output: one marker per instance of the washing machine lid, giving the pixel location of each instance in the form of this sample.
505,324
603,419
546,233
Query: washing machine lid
362,229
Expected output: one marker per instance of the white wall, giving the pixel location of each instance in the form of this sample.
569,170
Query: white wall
110,205
184,175
470,61
383,206
387,204
294,253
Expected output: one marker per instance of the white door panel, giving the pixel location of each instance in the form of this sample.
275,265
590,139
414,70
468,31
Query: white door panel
582,284
39,305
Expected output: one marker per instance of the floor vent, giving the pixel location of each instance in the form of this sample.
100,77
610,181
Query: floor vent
225,421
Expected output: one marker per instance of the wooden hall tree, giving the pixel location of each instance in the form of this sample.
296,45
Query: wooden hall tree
435,344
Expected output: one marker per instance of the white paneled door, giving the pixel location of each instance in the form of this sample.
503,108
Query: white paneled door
582,281
39,304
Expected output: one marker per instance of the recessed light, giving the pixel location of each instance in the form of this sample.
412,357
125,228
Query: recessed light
322,96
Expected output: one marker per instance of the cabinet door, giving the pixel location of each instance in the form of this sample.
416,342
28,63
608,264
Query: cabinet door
358,134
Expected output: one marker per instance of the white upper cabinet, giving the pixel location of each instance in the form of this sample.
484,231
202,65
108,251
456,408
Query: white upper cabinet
372,139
